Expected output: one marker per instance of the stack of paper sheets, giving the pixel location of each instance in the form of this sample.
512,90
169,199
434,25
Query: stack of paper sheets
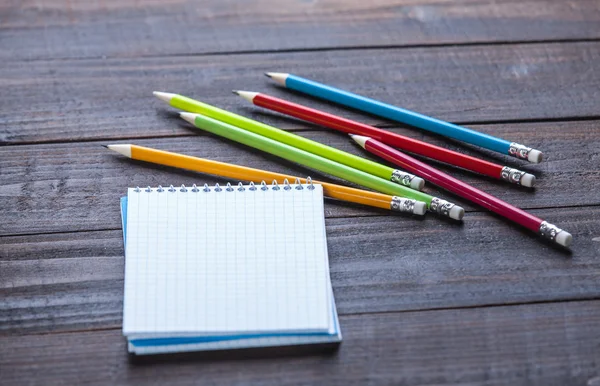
212,268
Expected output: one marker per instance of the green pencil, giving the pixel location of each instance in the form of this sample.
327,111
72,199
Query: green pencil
377,169
319,163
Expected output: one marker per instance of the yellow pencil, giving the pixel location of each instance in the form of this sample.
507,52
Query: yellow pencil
238,172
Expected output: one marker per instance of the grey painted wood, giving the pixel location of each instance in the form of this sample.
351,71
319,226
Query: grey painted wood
76,186
55,29
74,100
72,281
422,301
541,344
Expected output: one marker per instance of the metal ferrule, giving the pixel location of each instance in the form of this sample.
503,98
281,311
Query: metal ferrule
519,151
403,205
549,231
402,178
511,175
440,206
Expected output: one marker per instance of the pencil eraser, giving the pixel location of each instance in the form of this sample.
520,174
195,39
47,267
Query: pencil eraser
564,238
528,180
457,212
535,156
420,208
417,183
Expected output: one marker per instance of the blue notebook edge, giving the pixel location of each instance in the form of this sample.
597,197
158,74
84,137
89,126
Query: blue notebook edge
335,336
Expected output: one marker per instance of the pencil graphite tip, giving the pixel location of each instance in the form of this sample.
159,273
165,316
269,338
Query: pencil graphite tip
278,77
105,146
361,140
163,96
190,117
247,95
121,149
236,92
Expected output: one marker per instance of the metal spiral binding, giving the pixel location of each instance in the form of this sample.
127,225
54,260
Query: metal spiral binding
230,188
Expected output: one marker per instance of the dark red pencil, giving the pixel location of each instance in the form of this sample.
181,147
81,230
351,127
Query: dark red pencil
464,190
405,143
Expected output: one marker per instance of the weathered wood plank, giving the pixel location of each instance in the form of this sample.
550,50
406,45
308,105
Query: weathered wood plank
70,281
542,344
70,187
83,29
71,100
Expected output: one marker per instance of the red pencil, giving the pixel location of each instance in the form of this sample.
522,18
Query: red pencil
464,190
405,143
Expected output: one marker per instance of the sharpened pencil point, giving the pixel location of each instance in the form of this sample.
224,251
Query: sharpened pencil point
164,96
268,75
278,77
190,117
235,92
360,139
247,95
121,149
104,146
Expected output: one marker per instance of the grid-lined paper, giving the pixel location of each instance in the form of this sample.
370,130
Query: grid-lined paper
226,262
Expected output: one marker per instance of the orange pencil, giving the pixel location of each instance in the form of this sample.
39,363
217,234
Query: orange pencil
344,193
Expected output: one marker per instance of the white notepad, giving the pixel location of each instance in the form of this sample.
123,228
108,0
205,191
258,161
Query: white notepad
226,267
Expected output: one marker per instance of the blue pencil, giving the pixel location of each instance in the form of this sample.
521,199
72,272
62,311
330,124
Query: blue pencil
408,117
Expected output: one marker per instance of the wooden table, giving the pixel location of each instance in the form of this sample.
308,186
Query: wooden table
421,301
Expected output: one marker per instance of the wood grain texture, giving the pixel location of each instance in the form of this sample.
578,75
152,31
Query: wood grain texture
542,344
421,301
73,281
69,187
73,100
82,29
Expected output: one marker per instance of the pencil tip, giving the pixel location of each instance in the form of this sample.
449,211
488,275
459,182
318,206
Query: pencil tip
190,117
236,92
268,75
163,96
105,146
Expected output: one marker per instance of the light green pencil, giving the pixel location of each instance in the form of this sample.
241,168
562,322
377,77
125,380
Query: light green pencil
356,162
322,164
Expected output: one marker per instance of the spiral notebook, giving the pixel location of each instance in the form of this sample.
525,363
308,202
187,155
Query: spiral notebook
215,268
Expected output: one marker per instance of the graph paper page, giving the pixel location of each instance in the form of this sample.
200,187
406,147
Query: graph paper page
226,262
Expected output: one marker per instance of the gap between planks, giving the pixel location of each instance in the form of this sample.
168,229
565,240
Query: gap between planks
321,49
358,314
358,216
315,127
